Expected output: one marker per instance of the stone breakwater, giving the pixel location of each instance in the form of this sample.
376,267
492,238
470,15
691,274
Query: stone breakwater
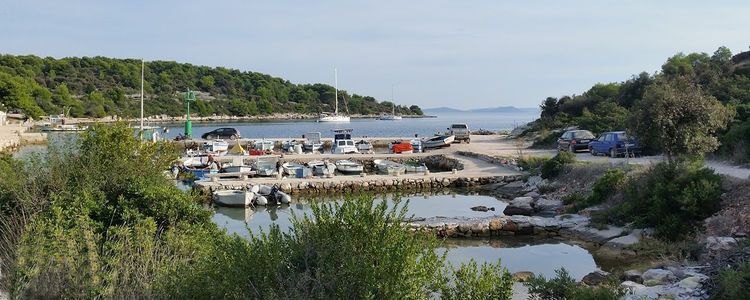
377,183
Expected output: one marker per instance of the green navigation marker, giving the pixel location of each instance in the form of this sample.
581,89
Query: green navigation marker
189,96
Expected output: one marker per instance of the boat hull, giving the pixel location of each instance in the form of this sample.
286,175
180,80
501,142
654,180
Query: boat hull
234,198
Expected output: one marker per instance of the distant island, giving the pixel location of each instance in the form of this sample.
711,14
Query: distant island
97,87
499,109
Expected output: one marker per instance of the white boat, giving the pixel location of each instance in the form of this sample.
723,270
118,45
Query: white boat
389,167
321,168
216,146
196,161
342,142
364,146
312,142
235,198
335,117
290,168
348,166
392,116
415,167
57,123
438,141
263,145
273,195
266,166
236,168
289,145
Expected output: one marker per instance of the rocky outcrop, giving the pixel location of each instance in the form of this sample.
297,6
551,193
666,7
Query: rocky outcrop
677,283
520,206
596,278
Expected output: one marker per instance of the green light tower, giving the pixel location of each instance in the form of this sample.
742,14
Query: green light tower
189,96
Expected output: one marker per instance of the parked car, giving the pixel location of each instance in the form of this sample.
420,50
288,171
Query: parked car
574,140
614,143
221,133
461,132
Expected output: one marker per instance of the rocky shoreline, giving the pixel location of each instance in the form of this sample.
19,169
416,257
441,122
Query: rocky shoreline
218,118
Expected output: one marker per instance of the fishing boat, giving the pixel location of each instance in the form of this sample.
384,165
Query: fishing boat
263,145
58,123
321,168
348,167
290,168
266,165
216,147
438,141
400,147
234,198
335,116
415,167
342,142
290,145
364,147
312,142
389,167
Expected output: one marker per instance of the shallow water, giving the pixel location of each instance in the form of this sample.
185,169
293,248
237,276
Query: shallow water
420,206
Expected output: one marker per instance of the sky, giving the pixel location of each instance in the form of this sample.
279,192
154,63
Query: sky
460,54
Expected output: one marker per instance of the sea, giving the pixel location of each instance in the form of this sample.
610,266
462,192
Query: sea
407,127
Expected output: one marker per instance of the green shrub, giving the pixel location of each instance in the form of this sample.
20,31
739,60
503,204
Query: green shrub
671,198
545,140
488,282
552,167
547,188
733,284
565,157
532,164
563,286
574,197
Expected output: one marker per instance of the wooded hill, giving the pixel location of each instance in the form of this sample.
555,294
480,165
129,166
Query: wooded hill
101,86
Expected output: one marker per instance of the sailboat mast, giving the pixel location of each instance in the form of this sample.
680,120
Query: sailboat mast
393,107
142,67
336,88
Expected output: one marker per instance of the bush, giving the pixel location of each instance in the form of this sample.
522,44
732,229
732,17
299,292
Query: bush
552,167
488,282
671,198
563,286
612,180
546,139
733,284
532,164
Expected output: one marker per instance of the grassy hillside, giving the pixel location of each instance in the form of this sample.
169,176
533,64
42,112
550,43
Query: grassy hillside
100,86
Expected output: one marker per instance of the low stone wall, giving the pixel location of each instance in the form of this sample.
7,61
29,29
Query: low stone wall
435,163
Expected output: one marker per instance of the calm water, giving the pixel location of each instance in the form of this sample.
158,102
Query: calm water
362,127
456,205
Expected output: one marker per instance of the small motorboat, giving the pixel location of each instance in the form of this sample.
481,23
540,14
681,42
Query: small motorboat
415,167
273,195
231,168
263,145
266,166
312,142
348,167
235,198
289,145
290,168
364,147
389,167
216,146
400,147
342,142
321,168
196,161
417,145
438,141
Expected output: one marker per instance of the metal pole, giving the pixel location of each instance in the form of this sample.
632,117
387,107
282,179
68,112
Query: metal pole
142,67
336,87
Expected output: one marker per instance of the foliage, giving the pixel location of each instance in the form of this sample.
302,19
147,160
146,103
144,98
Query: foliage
488,282
680,116
40,86
612,180
532,164
733,283
562,286
671,198
552,167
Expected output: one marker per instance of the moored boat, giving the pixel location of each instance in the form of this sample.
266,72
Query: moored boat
438,141
348,167
415,167
342,142
290,168
389,167
364,147
236,198
263,145
312,142
417,145
321,168
400,147
216,146
266,166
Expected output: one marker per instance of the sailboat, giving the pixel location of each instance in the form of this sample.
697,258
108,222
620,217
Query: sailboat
335,117
147,132
392,116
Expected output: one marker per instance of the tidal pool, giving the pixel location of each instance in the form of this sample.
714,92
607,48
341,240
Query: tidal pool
420,206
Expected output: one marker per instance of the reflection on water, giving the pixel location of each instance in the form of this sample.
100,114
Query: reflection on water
451,205
523,254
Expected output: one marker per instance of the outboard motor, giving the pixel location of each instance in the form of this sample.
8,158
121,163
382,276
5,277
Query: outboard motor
273,197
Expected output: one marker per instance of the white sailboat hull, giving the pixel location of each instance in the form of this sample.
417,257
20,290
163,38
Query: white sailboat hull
334,118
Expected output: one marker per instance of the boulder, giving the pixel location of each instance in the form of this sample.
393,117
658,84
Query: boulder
544,205
596,278
532,194
634,275
657,277
510,189
495,225
520,206
523,276
510,226
715,245
624,241
691,283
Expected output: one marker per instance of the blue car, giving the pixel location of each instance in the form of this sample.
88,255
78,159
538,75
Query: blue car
614,144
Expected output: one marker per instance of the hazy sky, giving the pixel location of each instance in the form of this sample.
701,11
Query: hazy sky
463,54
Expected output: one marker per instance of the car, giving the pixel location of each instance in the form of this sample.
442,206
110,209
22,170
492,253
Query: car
574,140
461,132
614,144
222,133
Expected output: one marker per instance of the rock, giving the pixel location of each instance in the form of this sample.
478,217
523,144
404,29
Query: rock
691,283
532,194
715,245
520,206
495,225
463,227
634,275
624,241
482,208
523,276
510,189
596,278
510,226
547,205
657,277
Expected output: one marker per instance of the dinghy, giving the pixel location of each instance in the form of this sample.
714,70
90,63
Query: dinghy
290,168
234,198
389,167
321,168
438,141
266,165
263,145
415,167
364,147
348,167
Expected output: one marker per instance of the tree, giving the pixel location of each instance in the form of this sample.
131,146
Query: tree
549,107
203,108
265,107
680,116
416,110
94,104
